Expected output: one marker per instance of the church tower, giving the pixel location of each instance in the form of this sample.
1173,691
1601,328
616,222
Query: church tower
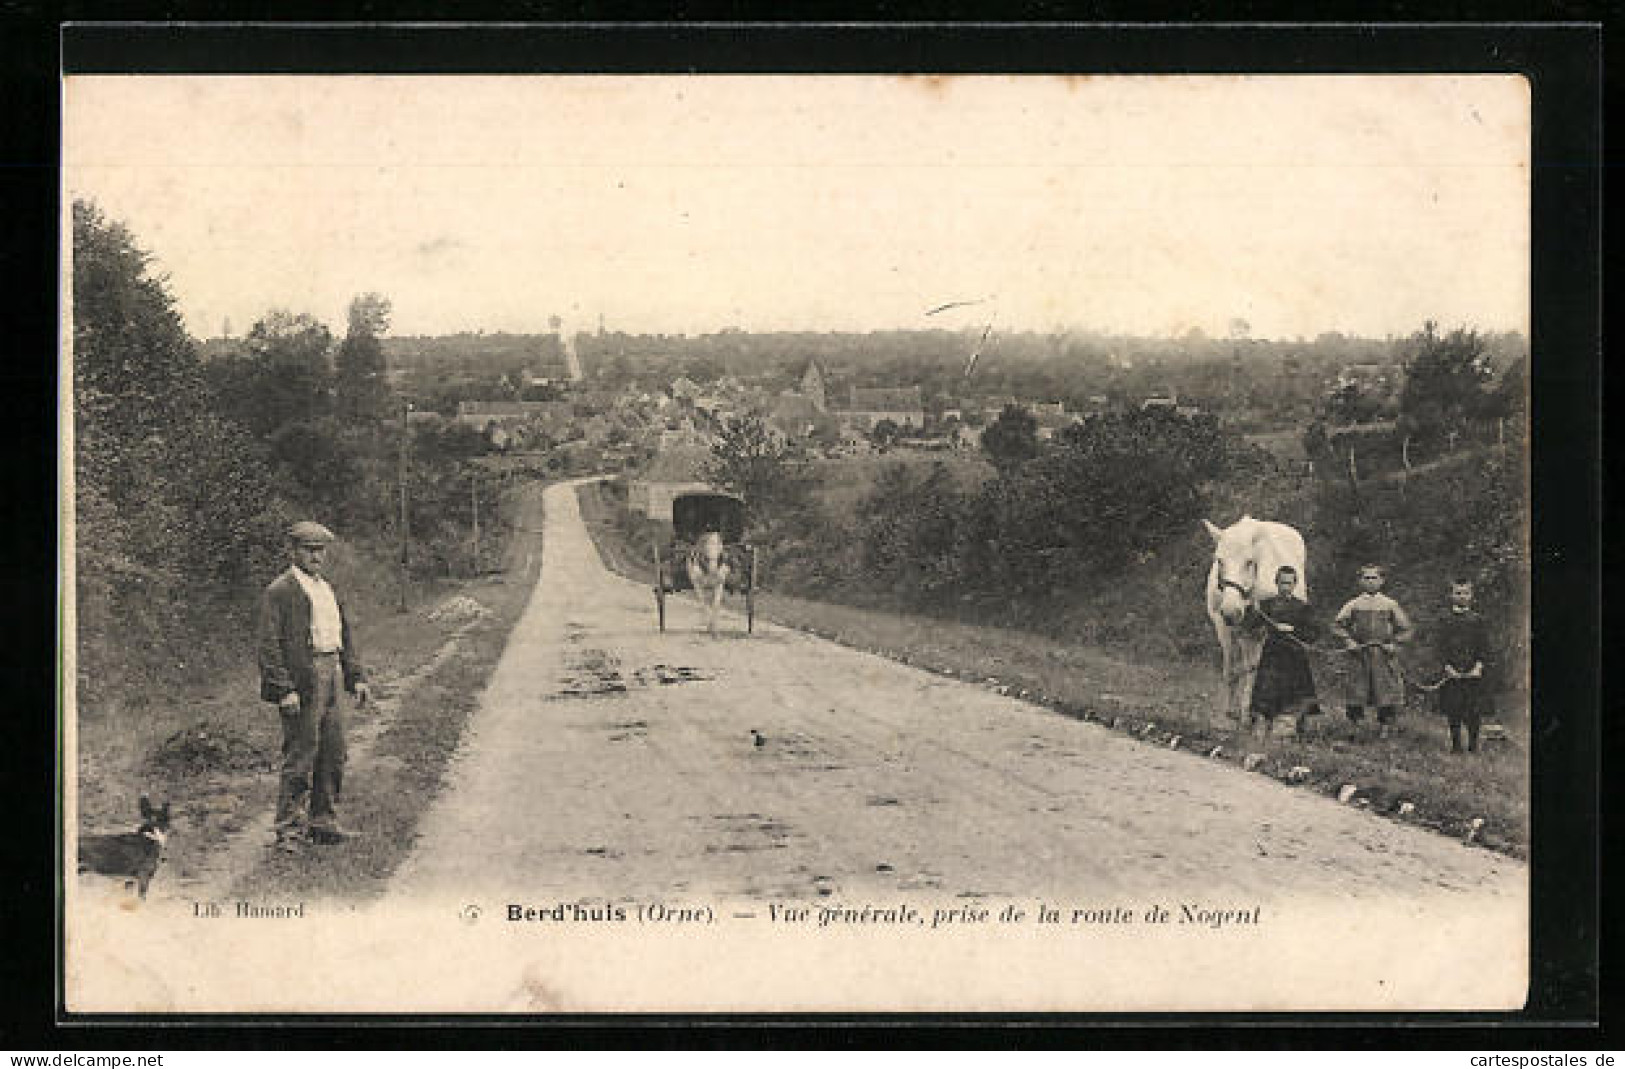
814,385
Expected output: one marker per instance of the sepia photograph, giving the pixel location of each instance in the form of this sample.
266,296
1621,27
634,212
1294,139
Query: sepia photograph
703,543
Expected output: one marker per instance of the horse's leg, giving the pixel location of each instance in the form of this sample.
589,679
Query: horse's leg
1222,701
1229,680
1247,652
1230,714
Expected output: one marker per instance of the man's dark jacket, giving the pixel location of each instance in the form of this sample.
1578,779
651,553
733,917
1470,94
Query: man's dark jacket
285,658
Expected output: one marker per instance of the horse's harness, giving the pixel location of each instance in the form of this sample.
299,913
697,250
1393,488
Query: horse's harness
1224,581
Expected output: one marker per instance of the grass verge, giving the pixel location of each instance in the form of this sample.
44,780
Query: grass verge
1166,701
213,749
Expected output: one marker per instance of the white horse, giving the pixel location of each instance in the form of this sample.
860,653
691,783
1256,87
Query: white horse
708,572
1246,556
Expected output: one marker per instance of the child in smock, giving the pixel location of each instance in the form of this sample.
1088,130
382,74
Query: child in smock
1372,627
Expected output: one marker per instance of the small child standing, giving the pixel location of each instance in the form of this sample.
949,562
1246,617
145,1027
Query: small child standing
1463,643
1284,684
1372,626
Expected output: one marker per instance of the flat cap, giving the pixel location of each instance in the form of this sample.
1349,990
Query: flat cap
309,533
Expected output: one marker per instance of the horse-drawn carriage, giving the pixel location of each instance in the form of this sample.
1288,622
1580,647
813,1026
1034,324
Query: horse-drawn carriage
693,517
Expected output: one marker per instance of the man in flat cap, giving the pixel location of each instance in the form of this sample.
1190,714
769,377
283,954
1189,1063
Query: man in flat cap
307,654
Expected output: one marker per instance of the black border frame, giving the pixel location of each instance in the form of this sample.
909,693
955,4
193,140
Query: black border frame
1563,62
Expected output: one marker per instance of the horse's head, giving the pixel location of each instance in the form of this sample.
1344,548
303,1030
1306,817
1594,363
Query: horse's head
710,549
1235,567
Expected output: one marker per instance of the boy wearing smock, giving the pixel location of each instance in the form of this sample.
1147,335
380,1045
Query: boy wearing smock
1463,644
1372,627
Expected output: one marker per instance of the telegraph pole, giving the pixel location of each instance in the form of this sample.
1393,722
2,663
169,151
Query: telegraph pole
474,495
406,538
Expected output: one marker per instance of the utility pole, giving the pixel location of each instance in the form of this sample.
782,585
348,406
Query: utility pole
474,495
406,538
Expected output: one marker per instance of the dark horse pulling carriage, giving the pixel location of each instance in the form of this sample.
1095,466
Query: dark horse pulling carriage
692,515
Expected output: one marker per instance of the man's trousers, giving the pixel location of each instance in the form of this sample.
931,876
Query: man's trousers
313,752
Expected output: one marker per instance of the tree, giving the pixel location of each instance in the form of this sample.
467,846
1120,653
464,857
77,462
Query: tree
1445,384
1119,485
282,375
173,505
136,374
751,461
360,388
907,532
1317,444
1510,399
1012,439
884,432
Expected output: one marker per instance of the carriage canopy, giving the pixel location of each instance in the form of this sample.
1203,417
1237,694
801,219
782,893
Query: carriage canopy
694,514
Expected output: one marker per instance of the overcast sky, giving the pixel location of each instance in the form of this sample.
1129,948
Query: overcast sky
686,204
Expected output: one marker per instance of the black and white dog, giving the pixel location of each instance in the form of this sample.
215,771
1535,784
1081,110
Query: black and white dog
133,856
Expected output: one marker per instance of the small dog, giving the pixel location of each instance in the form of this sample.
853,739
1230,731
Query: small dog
133,856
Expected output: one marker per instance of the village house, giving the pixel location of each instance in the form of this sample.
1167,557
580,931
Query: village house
683,435
1372,378
1169,403
853,442
675,470
867,407
1051,417
481,415
793,414
993,407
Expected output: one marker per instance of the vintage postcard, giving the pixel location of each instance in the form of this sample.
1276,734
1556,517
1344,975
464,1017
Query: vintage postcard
576,544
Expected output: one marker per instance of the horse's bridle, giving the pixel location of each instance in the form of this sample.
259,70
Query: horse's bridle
1245,592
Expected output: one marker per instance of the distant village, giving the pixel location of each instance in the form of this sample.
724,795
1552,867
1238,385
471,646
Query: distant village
823,418
650,407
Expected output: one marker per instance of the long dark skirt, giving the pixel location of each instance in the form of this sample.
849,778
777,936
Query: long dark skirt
1462,700
1284,683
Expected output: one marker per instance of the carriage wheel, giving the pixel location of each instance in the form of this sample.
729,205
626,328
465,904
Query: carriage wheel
660,589
750,593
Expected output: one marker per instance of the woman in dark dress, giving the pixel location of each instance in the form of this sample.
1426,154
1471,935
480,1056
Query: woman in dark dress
1284,684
